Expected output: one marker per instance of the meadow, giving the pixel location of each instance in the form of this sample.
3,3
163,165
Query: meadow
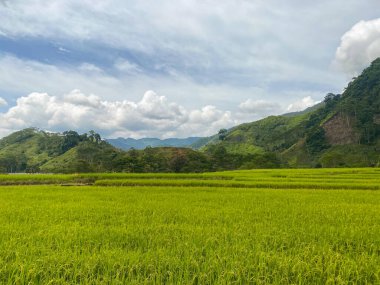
318,226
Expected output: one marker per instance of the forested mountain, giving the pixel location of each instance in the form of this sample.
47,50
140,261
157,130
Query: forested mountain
344,130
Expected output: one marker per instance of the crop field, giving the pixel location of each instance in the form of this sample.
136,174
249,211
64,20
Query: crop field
307,226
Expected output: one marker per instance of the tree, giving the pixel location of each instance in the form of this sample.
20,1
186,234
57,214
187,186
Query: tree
222,134
94,137
71,139
331,100
133,161
178,162
316,140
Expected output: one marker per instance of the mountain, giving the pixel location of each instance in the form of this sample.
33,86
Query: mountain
130,143
344,130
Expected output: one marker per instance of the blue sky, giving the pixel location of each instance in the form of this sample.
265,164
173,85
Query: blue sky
175,68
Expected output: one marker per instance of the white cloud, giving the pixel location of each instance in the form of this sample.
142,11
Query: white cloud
153,115
301,104
359,47
260,107
3,102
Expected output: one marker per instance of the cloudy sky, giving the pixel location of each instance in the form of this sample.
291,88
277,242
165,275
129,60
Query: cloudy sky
180,68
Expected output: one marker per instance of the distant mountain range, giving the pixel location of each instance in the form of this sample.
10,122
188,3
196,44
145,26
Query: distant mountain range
341,131
130,143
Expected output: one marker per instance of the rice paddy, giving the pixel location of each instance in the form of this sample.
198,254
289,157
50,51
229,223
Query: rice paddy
243,227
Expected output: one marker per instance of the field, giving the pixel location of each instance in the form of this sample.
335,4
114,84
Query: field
243,227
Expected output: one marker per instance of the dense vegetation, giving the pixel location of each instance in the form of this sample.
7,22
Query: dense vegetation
361,101
193,229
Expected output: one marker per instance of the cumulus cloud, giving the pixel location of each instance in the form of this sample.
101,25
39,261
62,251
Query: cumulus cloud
301,104
3,102
153,115
359,47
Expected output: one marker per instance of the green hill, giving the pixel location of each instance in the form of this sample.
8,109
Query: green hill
33,150
342,131
28,149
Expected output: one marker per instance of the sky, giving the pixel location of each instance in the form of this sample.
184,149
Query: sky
133,68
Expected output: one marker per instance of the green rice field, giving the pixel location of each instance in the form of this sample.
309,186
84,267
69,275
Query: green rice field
282,226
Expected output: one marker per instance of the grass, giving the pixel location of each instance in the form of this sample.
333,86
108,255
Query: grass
186,234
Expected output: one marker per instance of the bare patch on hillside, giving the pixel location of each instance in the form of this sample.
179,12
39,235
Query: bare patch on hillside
339,130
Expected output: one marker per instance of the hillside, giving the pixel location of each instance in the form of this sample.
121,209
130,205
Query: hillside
343,131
